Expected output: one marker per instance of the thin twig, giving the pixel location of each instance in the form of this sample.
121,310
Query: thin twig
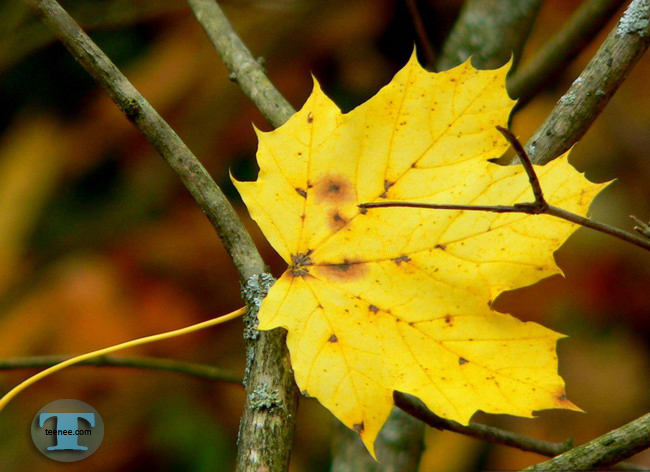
539,206
578,31
421,31
610,448
602,227
416,408
642,228
590,92
139,362
444,206
528,166
530,208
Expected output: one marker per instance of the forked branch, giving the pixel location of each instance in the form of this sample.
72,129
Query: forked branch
537,207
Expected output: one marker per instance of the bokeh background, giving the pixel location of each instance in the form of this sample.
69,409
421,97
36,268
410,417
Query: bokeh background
100,242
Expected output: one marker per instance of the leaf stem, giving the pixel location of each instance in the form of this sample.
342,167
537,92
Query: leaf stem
118,347
538,207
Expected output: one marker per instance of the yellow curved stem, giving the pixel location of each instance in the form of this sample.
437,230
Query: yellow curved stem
107,350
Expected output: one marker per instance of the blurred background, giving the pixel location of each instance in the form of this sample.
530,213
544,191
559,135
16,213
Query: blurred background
101,243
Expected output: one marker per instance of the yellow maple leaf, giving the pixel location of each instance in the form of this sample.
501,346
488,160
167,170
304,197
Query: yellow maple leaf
399,298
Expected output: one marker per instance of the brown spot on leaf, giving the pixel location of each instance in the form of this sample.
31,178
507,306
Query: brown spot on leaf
373,308
448,319
441,246
334,189
336,220
345,272
400,259
462,360
358,427
387,185
310,118
333,339
301,192
363,210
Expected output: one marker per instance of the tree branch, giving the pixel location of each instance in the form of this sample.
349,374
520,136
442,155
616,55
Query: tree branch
590,92
138,362
561,49
604,451
137,109
265,432
416,408
243,67
268,437
491,31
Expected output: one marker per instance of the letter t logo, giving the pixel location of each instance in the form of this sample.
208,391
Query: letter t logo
67,421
